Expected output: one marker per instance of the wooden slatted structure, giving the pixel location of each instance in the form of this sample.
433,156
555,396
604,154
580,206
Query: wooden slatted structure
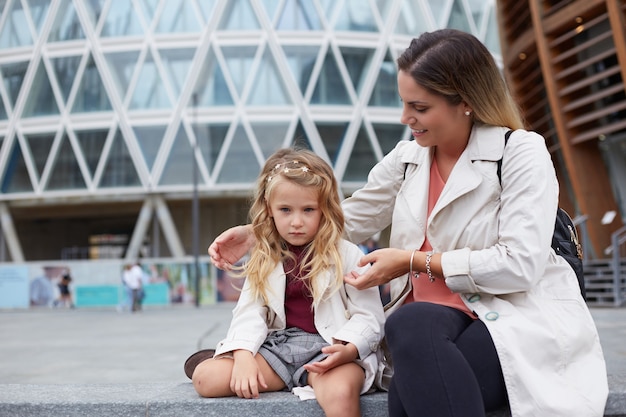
565,61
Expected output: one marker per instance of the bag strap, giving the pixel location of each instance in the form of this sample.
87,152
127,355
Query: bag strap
507,135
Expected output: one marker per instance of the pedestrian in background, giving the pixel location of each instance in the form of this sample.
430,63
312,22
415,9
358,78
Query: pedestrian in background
133,276
42,289
65,294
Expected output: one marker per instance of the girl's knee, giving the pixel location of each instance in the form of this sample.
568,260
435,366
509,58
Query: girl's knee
208,382
343,393
340,400
340,387
200,381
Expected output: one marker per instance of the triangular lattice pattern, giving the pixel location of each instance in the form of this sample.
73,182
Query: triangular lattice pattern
98,96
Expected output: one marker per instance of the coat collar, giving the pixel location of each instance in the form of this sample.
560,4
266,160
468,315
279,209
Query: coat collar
486,143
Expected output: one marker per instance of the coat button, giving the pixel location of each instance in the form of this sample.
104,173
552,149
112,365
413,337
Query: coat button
473,298
347,314
492,316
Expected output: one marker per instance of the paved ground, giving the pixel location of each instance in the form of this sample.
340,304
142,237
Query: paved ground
85,346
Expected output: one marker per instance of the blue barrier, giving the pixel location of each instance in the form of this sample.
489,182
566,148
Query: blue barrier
114,295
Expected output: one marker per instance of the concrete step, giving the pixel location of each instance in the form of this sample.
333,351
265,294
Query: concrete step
180,399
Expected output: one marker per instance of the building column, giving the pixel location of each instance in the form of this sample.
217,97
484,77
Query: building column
10,235
141,228
169,229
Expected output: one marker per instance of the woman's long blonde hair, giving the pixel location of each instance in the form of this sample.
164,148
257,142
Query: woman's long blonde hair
306,169
458,67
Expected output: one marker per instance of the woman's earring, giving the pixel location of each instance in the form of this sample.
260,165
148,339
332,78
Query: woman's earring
467,112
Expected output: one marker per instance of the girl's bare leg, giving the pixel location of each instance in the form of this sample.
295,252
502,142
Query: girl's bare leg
211,378
338,391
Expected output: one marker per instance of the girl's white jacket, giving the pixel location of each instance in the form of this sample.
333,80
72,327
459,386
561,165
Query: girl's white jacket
349,315
495,244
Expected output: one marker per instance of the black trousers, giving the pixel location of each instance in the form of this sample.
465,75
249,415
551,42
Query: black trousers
445,364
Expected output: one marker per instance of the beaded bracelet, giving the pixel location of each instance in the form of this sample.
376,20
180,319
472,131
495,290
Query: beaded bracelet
411,273
429,256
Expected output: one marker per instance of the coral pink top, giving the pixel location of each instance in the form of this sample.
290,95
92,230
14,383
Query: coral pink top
436,292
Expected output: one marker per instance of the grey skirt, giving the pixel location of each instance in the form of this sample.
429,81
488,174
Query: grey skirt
286,351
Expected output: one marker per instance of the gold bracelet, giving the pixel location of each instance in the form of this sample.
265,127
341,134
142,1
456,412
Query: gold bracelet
411,273
429,256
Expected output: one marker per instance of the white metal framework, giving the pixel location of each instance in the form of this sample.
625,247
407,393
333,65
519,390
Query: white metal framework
110,100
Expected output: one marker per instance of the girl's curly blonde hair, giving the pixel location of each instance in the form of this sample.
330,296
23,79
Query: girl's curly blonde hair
306,169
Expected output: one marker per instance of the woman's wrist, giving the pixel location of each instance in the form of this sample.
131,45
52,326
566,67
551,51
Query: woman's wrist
413,272
427,261
423,259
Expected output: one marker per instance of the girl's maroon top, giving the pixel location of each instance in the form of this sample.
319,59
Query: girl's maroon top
298,298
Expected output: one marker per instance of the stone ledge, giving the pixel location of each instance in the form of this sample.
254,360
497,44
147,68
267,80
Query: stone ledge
168,399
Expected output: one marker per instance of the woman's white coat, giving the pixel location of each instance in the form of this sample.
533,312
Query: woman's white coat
495,244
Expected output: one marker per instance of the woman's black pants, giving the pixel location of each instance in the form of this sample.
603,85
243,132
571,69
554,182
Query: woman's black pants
445,363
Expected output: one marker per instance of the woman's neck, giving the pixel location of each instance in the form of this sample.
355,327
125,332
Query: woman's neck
448,154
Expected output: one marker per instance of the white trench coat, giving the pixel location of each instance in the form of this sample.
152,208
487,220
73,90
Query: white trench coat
495,244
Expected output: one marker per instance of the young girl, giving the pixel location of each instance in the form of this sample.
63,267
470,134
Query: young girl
296,323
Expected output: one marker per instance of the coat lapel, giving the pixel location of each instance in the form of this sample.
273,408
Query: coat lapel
483,145
462,180
277,283
414,191
486,143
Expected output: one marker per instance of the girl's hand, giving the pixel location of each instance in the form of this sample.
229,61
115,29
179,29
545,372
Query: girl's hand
338,354
387,264
246,376
230,246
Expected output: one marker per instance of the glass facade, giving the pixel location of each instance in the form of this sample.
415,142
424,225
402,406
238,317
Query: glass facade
105,98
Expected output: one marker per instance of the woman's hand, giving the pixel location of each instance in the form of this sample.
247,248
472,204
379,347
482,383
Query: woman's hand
246,376
338,354
230,246
387,264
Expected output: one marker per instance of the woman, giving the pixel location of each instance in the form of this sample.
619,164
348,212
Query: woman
483,312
